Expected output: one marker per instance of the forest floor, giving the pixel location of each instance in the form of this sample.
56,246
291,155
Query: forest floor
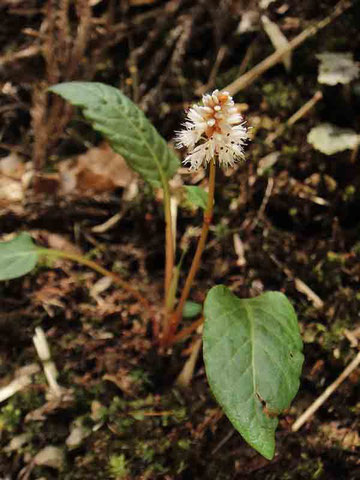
288,219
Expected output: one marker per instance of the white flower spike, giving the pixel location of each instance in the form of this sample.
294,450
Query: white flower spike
213,131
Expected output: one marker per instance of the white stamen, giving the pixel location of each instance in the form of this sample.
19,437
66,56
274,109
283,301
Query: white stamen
207,109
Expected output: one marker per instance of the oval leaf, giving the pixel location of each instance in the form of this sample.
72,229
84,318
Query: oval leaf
191,309
253,360
125,126
196,196
17,257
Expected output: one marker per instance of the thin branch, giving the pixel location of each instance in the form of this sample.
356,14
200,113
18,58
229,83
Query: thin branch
185,332
169,240
176,317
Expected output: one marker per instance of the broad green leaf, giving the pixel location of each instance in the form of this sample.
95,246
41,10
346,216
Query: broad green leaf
197,196
253,360
125,126
17,257
191,309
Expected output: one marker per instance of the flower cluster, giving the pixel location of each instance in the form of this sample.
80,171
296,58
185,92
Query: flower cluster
214,130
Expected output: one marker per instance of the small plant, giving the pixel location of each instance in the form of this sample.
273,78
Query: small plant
252,347
9,418
117,467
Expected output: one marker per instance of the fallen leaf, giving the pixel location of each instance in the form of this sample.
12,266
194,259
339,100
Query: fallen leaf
330,139
277,38
337,68
97,411
99,287
11,191
22,380
50,456
265,3
98,170
249,22
239,250
12,166
78,433
17,442
267,162
122,380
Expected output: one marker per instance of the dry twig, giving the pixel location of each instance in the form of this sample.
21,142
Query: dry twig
300,285
186,375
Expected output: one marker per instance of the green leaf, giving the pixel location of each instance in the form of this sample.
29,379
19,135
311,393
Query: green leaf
125,126
253,360
191,309
197,196
17,257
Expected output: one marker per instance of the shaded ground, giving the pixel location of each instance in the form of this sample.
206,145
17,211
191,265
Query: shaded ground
137,423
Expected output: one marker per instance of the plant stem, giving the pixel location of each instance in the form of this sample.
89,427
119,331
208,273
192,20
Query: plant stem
50,252
170,282
169,245
208,214
185,332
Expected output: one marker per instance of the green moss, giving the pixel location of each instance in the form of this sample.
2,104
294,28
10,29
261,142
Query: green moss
280,96
146,451
289,150
349,193
339,258
118,467
10,418
184,443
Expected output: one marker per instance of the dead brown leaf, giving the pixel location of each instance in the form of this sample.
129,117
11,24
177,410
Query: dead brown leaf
122,380
12,166
99,170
